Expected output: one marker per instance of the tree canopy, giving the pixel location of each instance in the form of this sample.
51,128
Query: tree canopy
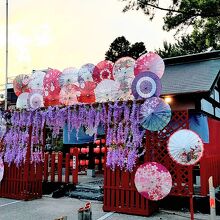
179,12
121,47
202,15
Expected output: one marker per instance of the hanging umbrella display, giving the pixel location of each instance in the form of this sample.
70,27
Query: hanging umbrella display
1,169
69,94
20,84
69,76
85,72
103,70
2,127
36,81
87,93
185,147
155,114
149,62
107,90
22,101
146,85
51,87
153,181
35,100
123,71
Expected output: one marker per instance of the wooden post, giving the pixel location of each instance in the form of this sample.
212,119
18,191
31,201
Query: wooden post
212,199
75,166
191,208
60,166
67,167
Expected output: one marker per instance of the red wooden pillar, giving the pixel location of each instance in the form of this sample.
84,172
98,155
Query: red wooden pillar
75,166
67,166
53,167
46,158
60,162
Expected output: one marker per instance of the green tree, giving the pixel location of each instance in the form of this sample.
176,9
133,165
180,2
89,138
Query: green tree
179,12
202,15
121,47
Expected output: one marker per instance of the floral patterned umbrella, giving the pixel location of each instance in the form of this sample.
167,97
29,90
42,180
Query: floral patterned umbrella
36,81
20,84
2,127
52,87
155,114
85,72
1,169
69,76
69,94
146,85
87,93
185,147
107,90
22,101
149,62
153,181
103,70
123,71
35,100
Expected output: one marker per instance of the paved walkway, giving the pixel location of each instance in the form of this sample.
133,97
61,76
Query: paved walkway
49,208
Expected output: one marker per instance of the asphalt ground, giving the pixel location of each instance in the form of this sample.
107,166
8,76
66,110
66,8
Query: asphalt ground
49,208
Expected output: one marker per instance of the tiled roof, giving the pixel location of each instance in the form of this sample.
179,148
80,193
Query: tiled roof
190,77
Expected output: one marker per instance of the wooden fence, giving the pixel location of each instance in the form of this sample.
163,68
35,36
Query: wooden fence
58,168
23,182
120,194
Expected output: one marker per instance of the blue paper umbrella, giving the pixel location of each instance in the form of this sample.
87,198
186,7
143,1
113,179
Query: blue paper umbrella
155,114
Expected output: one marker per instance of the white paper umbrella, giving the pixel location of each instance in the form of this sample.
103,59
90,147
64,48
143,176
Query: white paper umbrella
22,101
36,100
1,169
123,71
85,72
107,90
36,81
185,147
69,76
2,127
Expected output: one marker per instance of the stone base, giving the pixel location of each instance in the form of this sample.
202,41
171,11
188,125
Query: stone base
91,172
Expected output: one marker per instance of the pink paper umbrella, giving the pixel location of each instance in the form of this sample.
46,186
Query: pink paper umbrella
69,94
149,62
52,87
153,181
20,84
185,147
103,70
1,169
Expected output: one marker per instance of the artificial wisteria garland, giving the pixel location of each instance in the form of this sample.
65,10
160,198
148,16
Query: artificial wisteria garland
119,119
124,135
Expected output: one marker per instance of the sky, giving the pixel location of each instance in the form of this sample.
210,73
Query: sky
70,33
